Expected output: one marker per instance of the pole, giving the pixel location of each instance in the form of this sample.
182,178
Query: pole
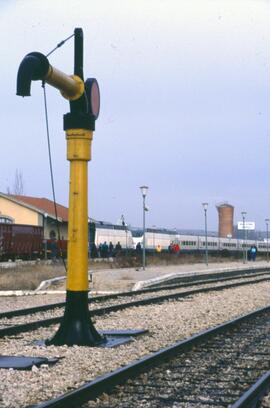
206,243
44,237
244,240
267,245
143,232
126,240
78,147
246,245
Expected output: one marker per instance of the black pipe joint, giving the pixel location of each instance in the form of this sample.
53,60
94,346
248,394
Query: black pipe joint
79,120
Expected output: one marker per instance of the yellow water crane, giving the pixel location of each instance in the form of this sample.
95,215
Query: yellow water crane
76,326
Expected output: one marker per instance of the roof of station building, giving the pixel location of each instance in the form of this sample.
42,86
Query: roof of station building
41,204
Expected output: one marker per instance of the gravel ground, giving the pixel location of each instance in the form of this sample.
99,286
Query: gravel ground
20,302
266,402
167,323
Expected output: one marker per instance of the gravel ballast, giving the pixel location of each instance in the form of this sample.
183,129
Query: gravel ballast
167,323
20,302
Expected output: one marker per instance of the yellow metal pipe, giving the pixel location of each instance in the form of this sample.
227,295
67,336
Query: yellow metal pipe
71,87
78,153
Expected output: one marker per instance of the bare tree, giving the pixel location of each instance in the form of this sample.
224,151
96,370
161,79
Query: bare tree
18,186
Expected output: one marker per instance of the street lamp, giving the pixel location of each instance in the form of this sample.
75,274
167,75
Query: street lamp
124,224
205,206
267,247
154,226
45,236
144,190
243,213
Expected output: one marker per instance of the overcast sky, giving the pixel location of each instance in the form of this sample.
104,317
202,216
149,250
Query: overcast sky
185,92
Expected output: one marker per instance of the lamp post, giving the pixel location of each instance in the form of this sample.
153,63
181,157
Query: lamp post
44,236
124,224
243,213
154,226
205,206
144,190
267,245
126,231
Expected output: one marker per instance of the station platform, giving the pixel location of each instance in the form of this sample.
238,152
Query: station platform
118,280
105,280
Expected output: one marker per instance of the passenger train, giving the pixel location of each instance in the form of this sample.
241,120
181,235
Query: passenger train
163,238
27,242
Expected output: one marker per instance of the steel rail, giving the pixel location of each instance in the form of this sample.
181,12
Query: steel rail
251,397
105,383
222,277
26,327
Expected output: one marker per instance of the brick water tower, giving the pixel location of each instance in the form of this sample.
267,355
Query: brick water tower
225,220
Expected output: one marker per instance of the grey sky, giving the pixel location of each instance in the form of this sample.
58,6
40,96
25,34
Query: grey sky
185,88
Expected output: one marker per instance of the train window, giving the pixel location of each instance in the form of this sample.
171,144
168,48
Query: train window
52,234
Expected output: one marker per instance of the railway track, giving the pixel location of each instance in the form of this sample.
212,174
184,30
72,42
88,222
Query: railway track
217,367
187,281
11,326
178,282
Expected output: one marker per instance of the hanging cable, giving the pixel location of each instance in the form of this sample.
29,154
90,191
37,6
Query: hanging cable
49,151
51,172
60,44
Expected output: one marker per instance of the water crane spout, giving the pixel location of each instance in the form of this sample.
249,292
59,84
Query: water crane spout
33,67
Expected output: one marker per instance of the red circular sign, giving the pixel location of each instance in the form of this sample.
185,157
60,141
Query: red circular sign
93,96
95,99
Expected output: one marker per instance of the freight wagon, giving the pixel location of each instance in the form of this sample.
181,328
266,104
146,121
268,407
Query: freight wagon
20,241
